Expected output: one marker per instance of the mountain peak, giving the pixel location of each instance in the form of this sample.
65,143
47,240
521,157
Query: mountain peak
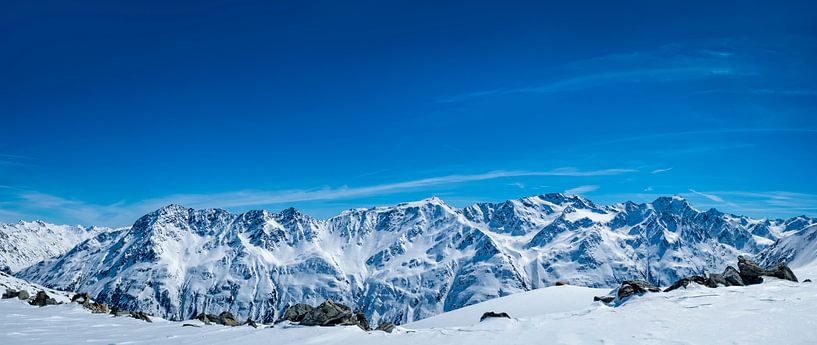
671,204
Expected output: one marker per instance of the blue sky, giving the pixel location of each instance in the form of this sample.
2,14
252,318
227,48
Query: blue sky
110,110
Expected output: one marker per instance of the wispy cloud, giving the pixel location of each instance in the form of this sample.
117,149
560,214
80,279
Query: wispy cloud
582,189
652,75
662,170
124,213
11,160
769,92
709,196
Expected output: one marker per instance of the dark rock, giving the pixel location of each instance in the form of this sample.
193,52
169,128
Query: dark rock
250,323
604,299
684,282
714,280
633,287
333,314
750,272
207,318
5,269
296,312
140,316
96,308
781,271
560,283
10,293
227,319
387,327
23,295
491,314
190,325
732,277
807,281
81,298
362,322
42,299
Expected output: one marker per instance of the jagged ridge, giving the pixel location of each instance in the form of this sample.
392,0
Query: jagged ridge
398,263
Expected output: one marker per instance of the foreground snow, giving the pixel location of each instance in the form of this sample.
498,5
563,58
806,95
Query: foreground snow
772,313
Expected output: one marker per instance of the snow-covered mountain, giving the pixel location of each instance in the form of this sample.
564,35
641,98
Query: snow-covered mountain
23,244
796,248
399,263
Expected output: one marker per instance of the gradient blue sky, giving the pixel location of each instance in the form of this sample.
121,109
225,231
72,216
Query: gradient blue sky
112,109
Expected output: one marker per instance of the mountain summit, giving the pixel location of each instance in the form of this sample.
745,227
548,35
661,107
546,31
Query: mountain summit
398,263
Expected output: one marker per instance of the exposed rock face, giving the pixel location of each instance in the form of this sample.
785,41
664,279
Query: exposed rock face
23,295
250,323
492,314
334,314
42,299
387,327
12,293
752,273
781,271
296,312
732,276
604,299
807,281
225,319
683,282
81,298
633,287
560,283
140,316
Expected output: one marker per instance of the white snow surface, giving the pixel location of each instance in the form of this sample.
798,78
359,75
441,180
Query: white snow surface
775,312
399,263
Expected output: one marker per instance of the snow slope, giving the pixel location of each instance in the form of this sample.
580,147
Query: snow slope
397,263
776,312
23,244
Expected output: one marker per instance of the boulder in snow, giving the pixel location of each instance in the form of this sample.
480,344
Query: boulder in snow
334,314
42,299
387,327
634,287
492,314
683,282
296,312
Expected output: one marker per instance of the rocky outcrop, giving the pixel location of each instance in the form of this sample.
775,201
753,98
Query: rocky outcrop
226,318
604,299
387,327
634,287
42,299
250,323
492,314
136,315
330,314
684,282
560,283
752,273
807,281
12,293
296,312
732,277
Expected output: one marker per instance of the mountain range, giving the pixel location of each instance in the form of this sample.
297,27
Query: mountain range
405,262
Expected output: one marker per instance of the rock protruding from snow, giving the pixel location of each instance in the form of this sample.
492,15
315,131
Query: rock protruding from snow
334,314
634,287
12,293
387,327
493,314
296,312
752,273
42,299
